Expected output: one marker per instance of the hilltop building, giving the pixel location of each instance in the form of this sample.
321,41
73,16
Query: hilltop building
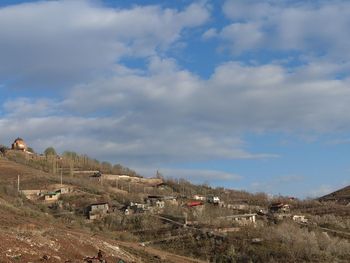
19,145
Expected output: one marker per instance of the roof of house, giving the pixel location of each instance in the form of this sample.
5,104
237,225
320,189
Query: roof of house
101,203
240,216
51,193
155,197
278,205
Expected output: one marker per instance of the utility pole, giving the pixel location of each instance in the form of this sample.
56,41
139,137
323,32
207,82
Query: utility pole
18,183
61,176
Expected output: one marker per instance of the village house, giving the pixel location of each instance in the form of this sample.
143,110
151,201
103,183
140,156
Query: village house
137,208
51,196
279,208
64,190
199,197
96,176
61,188
152,199
279,211
213,199
243,219
160,201
300,219
115,207
97,210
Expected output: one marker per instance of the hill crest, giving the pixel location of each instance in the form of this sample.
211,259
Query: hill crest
341,196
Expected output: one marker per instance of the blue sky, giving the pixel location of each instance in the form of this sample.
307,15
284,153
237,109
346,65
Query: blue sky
250,95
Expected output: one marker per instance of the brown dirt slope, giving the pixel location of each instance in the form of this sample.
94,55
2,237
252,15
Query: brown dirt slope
30,178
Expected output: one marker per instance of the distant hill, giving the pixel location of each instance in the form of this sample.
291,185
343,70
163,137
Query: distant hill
340,196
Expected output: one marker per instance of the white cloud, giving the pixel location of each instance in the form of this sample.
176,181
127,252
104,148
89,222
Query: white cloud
248,9
122,140
236,98
314,27
244,36
166,114
25,107
62,42
271,98
163,114
210,33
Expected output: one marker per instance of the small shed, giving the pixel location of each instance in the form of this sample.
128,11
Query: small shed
51,196
199,197
300,219
96,176
137,208
243,219
153,199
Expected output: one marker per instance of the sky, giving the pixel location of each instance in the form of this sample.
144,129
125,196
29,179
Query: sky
251,95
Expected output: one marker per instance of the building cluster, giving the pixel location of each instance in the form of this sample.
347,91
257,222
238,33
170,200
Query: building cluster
47,195
242,213
151,204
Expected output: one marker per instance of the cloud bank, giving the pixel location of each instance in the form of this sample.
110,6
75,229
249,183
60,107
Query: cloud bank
76,60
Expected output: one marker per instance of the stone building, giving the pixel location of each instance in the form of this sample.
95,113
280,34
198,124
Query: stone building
97,211
19,145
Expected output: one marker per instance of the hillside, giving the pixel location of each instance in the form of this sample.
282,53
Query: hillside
28,233
66,216
340,196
